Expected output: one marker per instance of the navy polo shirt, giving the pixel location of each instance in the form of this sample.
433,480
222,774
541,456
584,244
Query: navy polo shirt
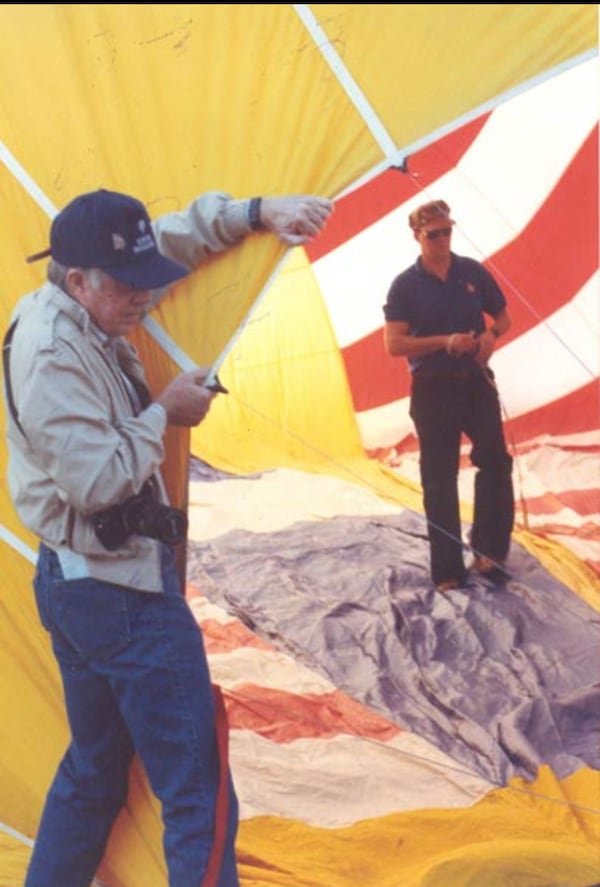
434,307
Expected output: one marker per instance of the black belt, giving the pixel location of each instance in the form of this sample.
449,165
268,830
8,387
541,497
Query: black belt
445,374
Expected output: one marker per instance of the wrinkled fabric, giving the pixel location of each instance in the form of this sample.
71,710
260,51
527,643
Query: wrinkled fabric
500,677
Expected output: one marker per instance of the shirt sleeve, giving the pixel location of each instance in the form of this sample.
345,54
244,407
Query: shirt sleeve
396,305
494,300
211,224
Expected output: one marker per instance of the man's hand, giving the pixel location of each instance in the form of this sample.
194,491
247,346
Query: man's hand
487,341
186,400
459,344
295,219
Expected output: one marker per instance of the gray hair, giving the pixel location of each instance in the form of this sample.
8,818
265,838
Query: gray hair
57,274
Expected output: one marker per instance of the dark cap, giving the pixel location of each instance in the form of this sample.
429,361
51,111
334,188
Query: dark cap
429,212
113,232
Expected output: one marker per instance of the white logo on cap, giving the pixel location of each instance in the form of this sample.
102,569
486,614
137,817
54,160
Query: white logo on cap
118,242
143,244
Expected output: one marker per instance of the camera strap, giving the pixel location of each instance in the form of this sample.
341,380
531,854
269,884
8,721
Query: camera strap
6,346
139,393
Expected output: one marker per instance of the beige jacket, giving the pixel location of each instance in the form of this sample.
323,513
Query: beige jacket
84,449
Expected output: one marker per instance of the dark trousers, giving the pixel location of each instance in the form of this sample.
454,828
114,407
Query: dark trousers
443,407
135,677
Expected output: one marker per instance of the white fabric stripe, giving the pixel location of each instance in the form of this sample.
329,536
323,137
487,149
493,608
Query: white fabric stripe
269,669
25,180
515,175
565,520
545,469
347,81
16,543
385,425
242,503
317,781
548,469
579,439
559,355
168,345
491,201
581,548
204,610
15,834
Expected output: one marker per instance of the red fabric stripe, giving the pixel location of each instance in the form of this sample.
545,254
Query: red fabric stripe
593,565
555,255
363,207
219,638
283,717
583,502
375,378
587,532
571,414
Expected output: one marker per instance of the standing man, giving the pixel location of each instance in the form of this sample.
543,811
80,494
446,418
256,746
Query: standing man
435,317
85,440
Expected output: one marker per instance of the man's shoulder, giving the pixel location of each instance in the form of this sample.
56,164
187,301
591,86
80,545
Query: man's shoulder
42,322
407,274
467,262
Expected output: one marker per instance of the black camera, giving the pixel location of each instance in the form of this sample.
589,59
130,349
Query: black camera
142,514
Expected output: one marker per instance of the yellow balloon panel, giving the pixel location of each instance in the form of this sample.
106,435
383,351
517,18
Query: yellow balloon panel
33,732
425,65
164,102
289,402
511,838
140,98
34,736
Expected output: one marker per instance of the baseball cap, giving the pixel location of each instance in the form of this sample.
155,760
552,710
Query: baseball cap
429,212
111,231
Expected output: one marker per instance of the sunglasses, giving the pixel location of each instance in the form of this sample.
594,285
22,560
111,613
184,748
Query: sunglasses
439,232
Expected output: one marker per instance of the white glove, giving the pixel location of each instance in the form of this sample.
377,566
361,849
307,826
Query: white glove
296,219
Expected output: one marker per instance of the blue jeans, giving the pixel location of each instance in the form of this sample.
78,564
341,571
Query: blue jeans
135,679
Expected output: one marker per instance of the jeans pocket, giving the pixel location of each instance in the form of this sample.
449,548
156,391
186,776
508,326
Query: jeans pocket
47,571
40,587
93,616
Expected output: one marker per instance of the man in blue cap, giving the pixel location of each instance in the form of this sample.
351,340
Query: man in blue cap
86,445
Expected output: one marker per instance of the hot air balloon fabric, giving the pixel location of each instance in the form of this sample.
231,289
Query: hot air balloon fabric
381,734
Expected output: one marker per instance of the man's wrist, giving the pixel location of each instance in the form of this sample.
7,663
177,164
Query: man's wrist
450,345
159,412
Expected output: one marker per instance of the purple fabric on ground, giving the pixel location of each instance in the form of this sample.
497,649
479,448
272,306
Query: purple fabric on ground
502,678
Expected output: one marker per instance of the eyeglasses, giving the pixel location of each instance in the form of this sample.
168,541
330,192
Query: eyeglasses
438,232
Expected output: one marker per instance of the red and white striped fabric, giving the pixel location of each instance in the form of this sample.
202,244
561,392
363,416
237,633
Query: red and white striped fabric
522,184
294,738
